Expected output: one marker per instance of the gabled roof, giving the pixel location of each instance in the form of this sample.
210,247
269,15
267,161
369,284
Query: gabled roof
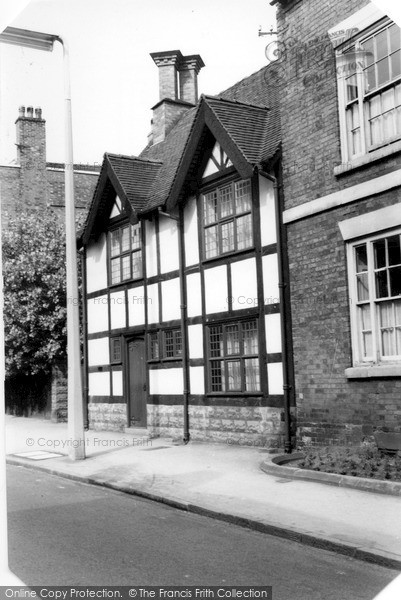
130,177
244,119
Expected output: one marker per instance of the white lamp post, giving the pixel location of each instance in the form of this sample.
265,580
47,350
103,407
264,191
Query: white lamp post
45,41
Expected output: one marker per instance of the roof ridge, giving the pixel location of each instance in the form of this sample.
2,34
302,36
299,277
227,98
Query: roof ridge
242,103
132,157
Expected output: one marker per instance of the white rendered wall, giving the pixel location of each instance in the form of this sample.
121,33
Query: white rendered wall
117,380
150,249
216,289
96,265
275,378
171,301
98,316
118,310
98,352
165,381
244,284
273,333
191,232
153,303
99,384
195,341
267,212
136,306
194,295
197,380
168,238
270,279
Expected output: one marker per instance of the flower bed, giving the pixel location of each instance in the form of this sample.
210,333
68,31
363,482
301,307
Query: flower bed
365,461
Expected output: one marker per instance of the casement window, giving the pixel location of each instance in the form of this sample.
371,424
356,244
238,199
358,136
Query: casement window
125,253
369,80
115,350
375,286
172,343
233,350
165,344
154,345
227,219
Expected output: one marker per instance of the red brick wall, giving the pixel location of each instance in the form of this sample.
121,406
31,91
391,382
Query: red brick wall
330,408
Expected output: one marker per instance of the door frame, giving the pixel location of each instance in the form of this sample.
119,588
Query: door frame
127,339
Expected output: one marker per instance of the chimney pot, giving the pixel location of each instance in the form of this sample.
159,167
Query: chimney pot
29,112
21,111
38,113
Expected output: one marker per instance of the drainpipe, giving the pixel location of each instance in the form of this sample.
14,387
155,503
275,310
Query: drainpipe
85,339
183,309
281,286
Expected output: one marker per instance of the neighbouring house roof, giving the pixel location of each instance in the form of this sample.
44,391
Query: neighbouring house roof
244,119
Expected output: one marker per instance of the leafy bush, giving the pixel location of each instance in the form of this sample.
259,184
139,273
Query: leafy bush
365,461
34,294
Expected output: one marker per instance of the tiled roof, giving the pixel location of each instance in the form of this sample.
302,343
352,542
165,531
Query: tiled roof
136,177
247,113
169,152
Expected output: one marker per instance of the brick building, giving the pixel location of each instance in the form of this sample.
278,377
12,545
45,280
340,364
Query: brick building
32,182
339,76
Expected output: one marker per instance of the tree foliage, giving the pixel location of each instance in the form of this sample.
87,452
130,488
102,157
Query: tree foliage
34,293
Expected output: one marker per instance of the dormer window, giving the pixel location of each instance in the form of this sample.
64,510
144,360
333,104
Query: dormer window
227,219
125,253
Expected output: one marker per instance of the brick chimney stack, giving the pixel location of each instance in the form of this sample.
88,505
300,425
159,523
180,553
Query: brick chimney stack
31,154
178,90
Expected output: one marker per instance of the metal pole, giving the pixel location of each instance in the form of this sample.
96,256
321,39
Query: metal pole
75,404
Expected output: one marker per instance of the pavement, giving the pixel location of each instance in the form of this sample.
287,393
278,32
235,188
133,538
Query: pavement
224,482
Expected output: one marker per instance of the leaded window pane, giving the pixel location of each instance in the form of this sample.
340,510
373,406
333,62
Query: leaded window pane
234,375
252,376
126,272
216,341
226,202
136,237
125,239
211,241
244,232
210,208
227,237
233,346
115,271
243,198
250,334
137,265
115,242
217,376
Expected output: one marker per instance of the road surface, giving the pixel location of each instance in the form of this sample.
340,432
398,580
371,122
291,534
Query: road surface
67,533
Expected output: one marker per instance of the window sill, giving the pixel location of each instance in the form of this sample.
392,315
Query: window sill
367,159
373,371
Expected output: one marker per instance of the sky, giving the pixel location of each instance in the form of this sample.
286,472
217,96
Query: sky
114,81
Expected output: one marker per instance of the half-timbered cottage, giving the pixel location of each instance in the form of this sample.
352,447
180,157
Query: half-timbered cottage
186,332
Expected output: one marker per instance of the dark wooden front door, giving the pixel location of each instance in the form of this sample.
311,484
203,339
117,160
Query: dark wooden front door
137,383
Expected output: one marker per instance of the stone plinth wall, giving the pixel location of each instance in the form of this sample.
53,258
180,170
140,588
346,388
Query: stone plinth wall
107,417
236,425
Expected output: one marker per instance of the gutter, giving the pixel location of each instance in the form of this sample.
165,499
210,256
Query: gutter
281,286
183,312
85,340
